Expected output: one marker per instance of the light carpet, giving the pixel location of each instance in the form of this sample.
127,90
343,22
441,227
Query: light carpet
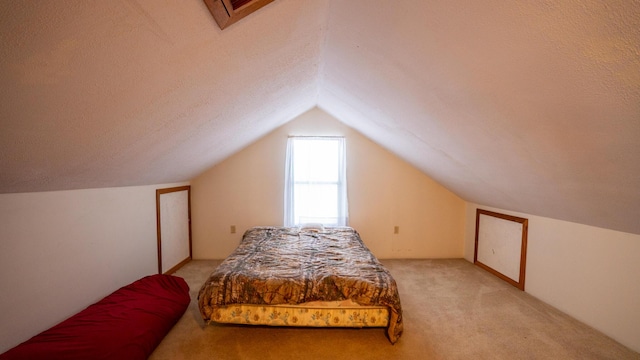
452,310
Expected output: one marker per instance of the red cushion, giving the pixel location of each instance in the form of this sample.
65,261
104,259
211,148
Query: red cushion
128,324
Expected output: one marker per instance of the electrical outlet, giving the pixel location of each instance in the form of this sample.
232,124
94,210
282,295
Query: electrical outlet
396,229
233,229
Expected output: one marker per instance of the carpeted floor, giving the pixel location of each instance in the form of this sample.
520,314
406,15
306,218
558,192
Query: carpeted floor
452,310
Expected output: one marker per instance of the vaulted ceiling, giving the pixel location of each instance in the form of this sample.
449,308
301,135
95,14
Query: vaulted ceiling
526,106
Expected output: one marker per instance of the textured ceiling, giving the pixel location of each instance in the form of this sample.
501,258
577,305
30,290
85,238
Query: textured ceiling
113,93
526,106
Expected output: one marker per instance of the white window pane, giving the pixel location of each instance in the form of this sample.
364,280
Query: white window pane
316,203
316,160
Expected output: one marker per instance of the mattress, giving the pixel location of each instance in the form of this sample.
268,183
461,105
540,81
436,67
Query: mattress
294,277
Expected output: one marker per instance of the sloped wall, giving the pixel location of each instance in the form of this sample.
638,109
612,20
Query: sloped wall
587,272
247,190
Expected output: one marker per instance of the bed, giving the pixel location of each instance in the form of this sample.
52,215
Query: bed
321,277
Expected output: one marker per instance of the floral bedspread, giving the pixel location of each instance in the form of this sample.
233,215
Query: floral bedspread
276,265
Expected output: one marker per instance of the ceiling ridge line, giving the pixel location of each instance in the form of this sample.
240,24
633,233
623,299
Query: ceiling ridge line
324,35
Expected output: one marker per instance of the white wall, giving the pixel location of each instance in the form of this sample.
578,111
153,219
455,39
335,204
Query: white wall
61,251
587,272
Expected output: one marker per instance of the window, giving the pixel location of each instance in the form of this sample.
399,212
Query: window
315,181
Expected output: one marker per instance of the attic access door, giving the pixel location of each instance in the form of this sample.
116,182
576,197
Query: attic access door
501,246
173,215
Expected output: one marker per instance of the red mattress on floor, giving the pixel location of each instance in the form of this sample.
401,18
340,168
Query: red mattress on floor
128,324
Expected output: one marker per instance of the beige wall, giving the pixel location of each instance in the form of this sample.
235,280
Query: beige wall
61,251
247,190
587,272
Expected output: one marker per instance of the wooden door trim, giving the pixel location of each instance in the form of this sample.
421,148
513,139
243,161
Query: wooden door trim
523,247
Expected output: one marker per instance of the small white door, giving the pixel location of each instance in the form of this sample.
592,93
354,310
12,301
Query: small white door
501,246
174,228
